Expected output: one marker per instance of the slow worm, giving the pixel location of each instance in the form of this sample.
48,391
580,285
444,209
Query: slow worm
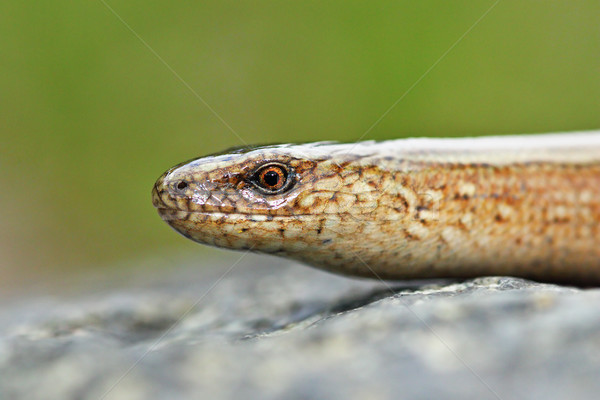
525,206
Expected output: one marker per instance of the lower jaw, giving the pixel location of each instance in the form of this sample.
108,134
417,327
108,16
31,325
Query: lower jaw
168,214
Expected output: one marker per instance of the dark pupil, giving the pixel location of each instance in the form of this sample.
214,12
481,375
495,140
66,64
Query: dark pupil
271,178
182,185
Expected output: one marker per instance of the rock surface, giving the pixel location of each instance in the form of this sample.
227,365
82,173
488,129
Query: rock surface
269,329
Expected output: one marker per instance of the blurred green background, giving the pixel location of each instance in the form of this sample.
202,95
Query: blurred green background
89,115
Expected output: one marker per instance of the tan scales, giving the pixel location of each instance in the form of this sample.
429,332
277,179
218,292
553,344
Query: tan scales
526,206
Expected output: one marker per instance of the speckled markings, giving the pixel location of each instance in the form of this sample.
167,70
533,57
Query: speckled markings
526,206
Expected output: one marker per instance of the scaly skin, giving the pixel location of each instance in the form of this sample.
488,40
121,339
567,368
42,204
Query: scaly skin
526,206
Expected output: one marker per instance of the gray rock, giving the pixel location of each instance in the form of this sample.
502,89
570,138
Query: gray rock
269,329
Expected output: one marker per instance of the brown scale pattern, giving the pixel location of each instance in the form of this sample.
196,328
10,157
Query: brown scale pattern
380,210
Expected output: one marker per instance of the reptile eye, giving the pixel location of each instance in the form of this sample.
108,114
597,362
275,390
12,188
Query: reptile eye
182,185
272,178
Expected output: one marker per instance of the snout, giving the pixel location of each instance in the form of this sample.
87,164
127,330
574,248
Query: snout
158,191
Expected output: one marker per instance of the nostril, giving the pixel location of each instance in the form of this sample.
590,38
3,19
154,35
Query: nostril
182,185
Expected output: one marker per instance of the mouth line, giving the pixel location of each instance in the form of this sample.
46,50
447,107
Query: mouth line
166,210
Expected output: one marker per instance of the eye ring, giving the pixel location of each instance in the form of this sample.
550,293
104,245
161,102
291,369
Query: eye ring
182,185
272,178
